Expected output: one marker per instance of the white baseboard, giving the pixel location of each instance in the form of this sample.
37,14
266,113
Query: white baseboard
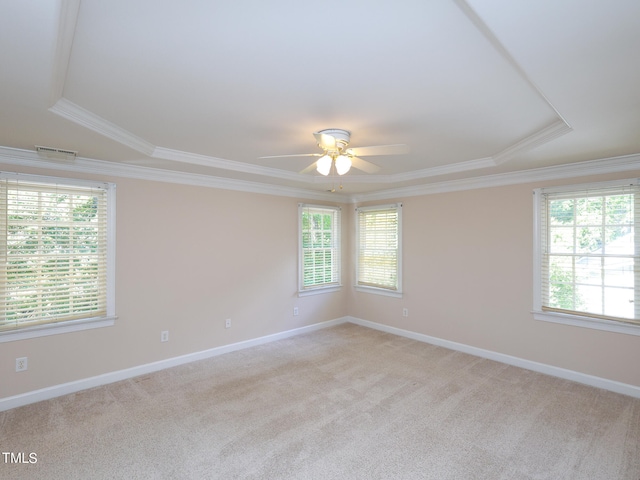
76,386
583,378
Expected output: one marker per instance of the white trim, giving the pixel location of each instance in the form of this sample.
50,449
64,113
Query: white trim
587,322
378,291
67,21
580,187
214,162
545,135
56,328
50,179
111,377
537,252
593,381
28,158
319,290
111,249
602,166
81,116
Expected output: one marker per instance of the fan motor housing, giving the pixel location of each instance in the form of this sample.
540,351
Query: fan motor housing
342,136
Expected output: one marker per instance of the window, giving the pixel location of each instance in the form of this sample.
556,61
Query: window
319,248
56,265
587,252
379,249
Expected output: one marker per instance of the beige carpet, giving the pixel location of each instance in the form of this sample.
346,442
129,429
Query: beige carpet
342,403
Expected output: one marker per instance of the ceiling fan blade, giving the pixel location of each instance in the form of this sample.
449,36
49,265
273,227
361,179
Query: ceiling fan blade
363,165
398,149
326,142
310,168
295,155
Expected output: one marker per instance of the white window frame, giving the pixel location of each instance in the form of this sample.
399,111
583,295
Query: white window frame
587,321
83,323
335,285
379,290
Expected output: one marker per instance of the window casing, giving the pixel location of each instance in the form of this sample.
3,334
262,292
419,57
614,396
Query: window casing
379,249
587,269
320,249
56,255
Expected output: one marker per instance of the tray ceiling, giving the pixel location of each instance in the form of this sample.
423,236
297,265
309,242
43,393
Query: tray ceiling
473,88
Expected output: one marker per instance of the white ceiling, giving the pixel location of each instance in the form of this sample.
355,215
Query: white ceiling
474,88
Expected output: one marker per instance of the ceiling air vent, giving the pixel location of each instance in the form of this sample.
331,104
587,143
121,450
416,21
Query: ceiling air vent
56,153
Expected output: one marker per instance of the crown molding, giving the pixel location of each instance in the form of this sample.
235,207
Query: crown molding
579,169
207,161
553,131
28,158
83,117
67,20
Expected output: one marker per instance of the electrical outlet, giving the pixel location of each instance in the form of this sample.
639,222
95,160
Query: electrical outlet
164,336
405,312
21,364
295,310
227,323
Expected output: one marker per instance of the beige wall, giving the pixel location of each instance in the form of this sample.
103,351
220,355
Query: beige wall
190,257
468,278
187,259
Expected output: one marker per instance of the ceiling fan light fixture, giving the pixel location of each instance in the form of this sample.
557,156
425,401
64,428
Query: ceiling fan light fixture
324,165
343,164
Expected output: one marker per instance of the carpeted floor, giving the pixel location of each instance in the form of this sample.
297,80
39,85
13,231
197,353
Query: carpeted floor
346,402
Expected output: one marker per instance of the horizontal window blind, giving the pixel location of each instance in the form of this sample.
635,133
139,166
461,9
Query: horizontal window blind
320,246
378,260
590,252
53,253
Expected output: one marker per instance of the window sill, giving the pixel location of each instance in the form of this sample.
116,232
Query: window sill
56,328
587,322
378,291
319,290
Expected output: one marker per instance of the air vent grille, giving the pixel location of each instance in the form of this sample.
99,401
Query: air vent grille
57,153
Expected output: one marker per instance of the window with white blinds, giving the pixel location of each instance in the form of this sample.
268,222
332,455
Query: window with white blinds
587,251
379,249
319,248
54,252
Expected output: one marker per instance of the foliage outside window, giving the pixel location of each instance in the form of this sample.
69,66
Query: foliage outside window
588,252
379,249
319,247
53,252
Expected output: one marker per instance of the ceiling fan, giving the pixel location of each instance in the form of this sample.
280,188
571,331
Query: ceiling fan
336,156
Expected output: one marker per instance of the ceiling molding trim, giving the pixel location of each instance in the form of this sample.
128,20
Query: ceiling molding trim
444,169
83,117
75,113
484,29
579,169
67,21
28,158
553,131
207,161
408,176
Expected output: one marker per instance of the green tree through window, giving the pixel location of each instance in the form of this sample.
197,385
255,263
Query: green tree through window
55,261
589,251
320,246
